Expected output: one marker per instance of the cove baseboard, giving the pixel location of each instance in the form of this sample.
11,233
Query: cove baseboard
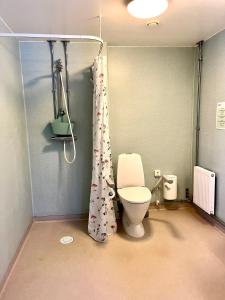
11,265
211,219
73,217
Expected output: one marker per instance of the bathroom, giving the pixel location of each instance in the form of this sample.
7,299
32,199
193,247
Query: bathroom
164,89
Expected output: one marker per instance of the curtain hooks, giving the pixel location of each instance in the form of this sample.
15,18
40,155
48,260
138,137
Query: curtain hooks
100,49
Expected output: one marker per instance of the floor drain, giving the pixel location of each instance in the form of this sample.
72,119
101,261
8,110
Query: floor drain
66,240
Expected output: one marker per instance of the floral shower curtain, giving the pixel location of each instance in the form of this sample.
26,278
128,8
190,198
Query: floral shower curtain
102,221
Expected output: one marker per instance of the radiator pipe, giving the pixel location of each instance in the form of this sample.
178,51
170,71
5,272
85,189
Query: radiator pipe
198,104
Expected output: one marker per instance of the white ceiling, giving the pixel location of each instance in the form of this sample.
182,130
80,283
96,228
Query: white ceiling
183,24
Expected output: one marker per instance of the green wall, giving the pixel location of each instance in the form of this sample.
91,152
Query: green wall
58,188
151,108
212,140
151,112
15,200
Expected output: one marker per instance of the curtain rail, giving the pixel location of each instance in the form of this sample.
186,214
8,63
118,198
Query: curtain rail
54,37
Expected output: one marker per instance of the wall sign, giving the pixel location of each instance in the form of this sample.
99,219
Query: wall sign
220,115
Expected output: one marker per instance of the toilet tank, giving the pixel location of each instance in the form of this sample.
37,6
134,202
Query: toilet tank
130,171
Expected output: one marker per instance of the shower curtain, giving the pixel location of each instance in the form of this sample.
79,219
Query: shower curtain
102,221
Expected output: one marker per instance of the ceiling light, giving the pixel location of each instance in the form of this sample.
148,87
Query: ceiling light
145,9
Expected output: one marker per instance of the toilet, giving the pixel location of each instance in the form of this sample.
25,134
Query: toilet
133,194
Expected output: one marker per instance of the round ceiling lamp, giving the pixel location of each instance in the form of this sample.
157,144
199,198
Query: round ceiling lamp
146,9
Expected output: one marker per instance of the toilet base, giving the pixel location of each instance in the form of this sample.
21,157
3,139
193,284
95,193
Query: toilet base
133,230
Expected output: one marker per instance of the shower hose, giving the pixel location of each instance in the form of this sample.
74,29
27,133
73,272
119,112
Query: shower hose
70,125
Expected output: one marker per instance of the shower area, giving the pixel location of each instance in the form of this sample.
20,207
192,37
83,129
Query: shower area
55,183
58,188
37,180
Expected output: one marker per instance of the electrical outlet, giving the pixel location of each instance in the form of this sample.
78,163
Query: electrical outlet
157,173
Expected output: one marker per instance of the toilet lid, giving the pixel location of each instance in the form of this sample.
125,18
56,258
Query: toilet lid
135,194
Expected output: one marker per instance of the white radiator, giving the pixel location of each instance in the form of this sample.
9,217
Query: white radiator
204,189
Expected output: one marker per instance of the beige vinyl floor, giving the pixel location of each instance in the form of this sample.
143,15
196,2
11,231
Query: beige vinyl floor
181,257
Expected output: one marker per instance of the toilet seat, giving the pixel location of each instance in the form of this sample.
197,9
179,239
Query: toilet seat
136,195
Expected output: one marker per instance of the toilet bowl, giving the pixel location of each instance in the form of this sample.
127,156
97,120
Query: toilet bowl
133,194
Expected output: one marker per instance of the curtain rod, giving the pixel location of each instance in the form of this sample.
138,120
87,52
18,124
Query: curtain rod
54,37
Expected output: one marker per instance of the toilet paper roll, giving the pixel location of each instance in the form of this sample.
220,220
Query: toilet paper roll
170,189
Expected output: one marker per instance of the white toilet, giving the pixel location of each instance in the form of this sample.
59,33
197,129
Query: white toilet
133,194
